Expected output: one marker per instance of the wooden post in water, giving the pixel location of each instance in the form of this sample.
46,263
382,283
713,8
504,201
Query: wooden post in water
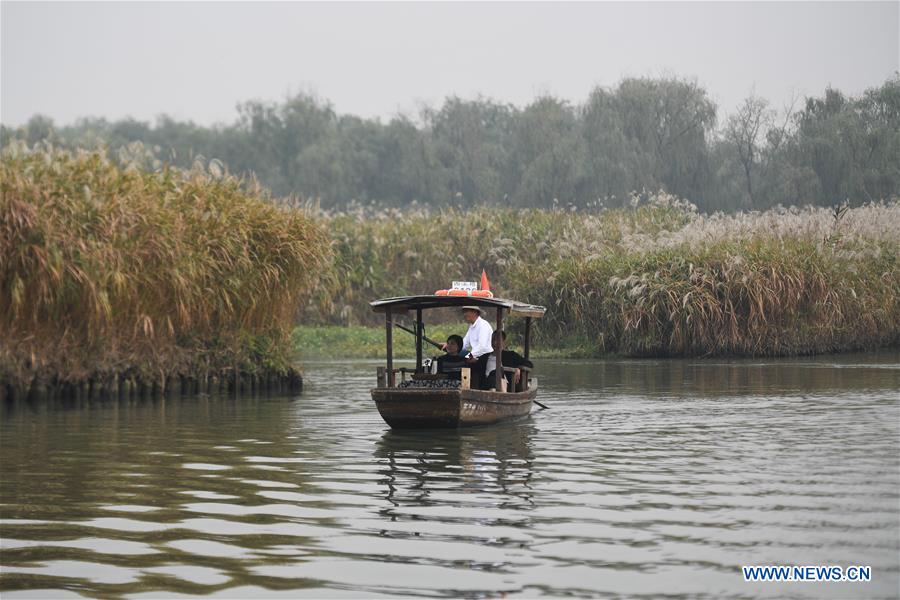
389,333
169,386
527,336
498,352
418,340
38,392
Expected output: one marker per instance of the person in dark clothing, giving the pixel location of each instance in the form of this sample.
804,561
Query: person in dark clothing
451,363
510,358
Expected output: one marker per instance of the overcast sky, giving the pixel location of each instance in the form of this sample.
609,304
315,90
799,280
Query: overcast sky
198,60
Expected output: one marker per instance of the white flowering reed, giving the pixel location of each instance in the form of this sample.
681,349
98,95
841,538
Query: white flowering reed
656,278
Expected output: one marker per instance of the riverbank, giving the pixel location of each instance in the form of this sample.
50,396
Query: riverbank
360,341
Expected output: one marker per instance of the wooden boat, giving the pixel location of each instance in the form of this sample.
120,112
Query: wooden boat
436,407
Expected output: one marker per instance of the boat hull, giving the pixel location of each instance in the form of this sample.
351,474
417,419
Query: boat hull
417,408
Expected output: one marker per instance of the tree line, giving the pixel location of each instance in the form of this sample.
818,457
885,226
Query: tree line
644,134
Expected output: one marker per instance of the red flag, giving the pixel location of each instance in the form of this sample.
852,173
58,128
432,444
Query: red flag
485,284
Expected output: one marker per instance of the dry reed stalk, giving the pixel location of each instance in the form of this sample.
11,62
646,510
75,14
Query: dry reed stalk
109,270
654,279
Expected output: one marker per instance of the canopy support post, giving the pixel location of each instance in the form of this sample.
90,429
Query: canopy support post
527,336
498,352
419,328
389,336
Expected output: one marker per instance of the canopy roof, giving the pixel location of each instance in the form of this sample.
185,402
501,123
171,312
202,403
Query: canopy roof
404,303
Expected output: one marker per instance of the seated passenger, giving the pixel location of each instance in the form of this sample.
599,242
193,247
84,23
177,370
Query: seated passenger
511,359
451,363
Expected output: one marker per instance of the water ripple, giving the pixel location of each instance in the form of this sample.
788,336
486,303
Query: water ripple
645,478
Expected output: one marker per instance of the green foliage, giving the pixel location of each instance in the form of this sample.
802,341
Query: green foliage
834,149
644,134
312,342
357,341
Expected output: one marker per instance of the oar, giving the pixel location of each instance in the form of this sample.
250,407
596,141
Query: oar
544,406
430,341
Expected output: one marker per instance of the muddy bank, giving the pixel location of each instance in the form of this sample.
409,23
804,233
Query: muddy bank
133,387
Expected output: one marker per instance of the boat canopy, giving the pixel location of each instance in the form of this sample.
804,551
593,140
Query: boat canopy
405,303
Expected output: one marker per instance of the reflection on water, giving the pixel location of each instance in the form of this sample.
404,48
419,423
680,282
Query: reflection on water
644,478
485,467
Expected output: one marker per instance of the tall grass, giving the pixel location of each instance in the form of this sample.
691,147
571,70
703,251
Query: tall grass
106,269
653,279
383,252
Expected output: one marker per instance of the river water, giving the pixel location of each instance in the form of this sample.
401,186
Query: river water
644,478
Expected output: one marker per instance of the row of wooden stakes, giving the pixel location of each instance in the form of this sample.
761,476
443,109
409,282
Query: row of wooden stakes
131,387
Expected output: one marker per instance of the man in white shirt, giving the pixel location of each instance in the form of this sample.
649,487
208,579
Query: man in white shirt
477,340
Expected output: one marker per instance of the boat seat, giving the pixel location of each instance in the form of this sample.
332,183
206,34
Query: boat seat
428,376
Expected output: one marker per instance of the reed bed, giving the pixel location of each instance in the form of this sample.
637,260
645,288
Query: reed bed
115,275
143,276
384,252
654,279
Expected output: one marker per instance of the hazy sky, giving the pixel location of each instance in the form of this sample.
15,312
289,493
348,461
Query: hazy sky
198,60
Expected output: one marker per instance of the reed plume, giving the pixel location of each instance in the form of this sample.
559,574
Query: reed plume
655,278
